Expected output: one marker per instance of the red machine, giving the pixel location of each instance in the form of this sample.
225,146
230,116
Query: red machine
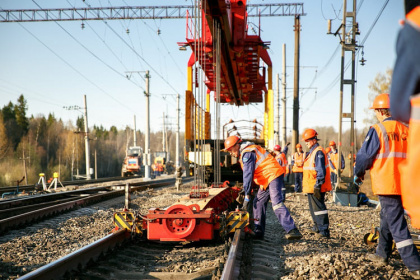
191,219
132,162
241,80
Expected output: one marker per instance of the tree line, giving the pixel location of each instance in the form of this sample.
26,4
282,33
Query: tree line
46,145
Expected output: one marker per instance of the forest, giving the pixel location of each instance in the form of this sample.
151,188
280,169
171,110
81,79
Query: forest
46,145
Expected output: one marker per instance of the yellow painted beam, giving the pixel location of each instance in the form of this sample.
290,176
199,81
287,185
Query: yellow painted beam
189,101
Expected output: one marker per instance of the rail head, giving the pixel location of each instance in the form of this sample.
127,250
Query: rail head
81,257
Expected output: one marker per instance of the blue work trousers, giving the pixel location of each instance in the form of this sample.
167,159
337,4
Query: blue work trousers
333,179
273,192
298,181
394,227
319,213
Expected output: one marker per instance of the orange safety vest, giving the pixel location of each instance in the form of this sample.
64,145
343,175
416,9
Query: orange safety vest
266,167
385,176
335,160
283,161
410,189
298,165
309,173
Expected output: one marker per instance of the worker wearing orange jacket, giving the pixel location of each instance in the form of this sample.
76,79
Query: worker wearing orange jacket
282,160
333,161
260,166
405,105
383,152
316,182
297,163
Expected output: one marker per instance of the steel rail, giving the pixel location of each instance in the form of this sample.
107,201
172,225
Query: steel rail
29,188
232,266
36,199
57,269
16,221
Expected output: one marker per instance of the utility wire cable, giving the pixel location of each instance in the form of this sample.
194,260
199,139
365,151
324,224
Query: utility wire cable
71,66
374,23
141,57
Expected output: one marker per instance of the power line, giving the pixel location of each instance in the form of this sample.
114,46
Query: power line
132,49
374,23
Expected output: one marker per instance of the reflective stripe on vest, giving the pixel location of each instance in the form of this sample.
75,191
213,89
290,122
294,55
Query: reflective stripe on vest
385,173
299,159
387,153
266,167
310,174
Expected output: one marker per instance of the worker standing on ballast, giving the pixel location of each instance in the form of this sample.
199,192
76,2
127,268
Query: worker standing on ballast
383,152
316,182
260,166
334,165
297,162
405,105
281,159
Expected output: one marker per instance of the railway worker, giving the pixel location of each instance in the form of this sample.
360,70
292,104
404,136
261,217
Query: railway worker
261,167
281,159
297,162
316,182
405,104
383,152
334,158
155,169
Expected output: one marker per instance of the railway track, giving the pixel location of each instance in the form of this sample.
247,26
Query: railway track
69,185
341,257
21,211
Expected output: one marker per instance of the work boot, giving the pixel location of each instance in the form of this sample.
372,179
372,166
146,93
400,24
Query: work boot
314,229
378,260
415,274
323,235
293,234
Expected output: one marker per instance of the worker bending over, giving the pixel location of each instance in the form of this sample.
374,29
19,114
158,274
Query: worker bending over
383,151
260,166
316,182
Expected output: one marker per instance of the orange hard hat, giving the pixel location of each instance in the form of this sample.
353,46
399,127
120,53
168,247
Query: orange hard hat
327,150
277,148
332,143
381,101
298,145
231,141
309,134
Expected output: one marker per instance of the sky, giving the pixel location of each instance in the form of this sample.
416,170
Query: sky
54,64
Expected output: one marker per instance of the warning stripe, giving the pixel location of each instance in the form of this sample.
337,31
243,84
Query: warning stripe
120,221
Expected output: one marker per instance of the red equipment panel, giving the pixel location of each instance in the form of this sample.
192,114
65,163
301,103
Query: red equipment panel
241,79
191,219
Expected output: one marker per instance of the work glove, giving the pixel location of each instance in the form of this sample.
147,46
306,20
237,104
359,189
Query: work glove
358,181
317,193
245,204
241,197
